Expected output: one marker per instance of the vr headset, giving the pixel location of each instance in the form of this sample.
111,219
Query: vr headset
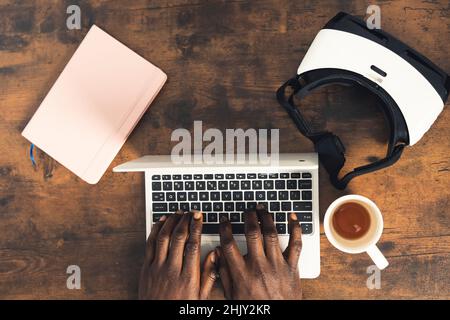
412,89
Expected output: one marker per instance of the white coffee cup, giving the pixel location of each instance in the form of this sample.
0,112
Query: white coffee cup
367,242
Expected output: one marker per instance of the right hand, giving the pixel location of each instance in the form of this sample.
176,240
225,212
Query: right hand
265,272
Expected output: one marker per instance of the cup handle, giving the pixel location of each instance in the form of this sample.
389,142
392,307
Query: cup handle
377,257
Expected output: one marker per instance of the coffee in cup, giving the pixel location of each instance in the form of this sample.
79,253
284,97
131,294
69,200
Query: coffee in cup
354,224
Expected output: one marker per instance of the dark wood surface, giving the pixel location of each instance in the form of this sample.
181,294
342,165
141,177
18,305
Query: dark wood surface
224,61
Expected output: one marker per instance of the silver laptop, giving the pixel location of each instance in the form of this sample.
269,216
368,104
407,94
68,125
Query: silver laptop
217,190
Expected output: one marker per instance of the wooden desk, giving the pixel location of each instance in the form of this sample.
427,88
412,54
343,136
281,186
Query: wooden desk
224,61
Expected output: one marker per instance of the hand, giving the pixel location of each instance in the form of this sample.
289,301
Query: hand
172,260
265,272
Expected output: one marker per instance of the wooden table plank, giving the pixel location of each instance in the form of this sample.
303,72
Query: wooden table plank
224,59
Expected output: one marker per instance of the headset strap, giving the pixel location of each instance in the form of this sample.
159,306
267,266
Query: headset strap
329,147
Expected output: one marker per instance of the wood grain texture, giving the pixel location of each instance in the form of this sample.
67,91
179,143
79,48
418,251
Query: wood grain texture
224,60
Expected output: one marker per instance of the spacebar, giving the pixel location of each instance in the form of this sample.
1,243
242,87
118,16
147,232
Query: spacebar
210,228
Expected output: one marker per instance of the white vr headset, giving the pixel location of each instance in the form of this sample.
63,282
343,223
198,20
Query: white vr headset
413,90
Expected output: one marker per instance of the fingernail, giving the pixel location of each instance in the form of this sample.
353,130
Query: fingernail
223,219
293,216
260,207
163,218
179,212
213,257
217,252
197,215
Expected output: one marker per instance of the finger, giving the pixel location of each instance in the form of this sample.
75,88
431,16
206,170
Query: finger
192,250
149,253
177,243
209,275
150,247
224,272
292,252
229,246
163,238
253,235
270,235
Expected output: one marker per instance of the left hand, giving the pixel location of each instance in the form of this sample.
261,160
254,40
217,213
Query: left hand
172,260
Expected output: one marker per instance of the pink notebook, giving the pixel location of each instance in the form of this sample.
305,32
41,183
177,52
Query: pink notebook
94,105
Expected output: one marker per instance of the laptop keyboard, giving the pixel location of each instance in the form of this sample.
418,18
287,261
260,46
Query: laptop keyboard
228,195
